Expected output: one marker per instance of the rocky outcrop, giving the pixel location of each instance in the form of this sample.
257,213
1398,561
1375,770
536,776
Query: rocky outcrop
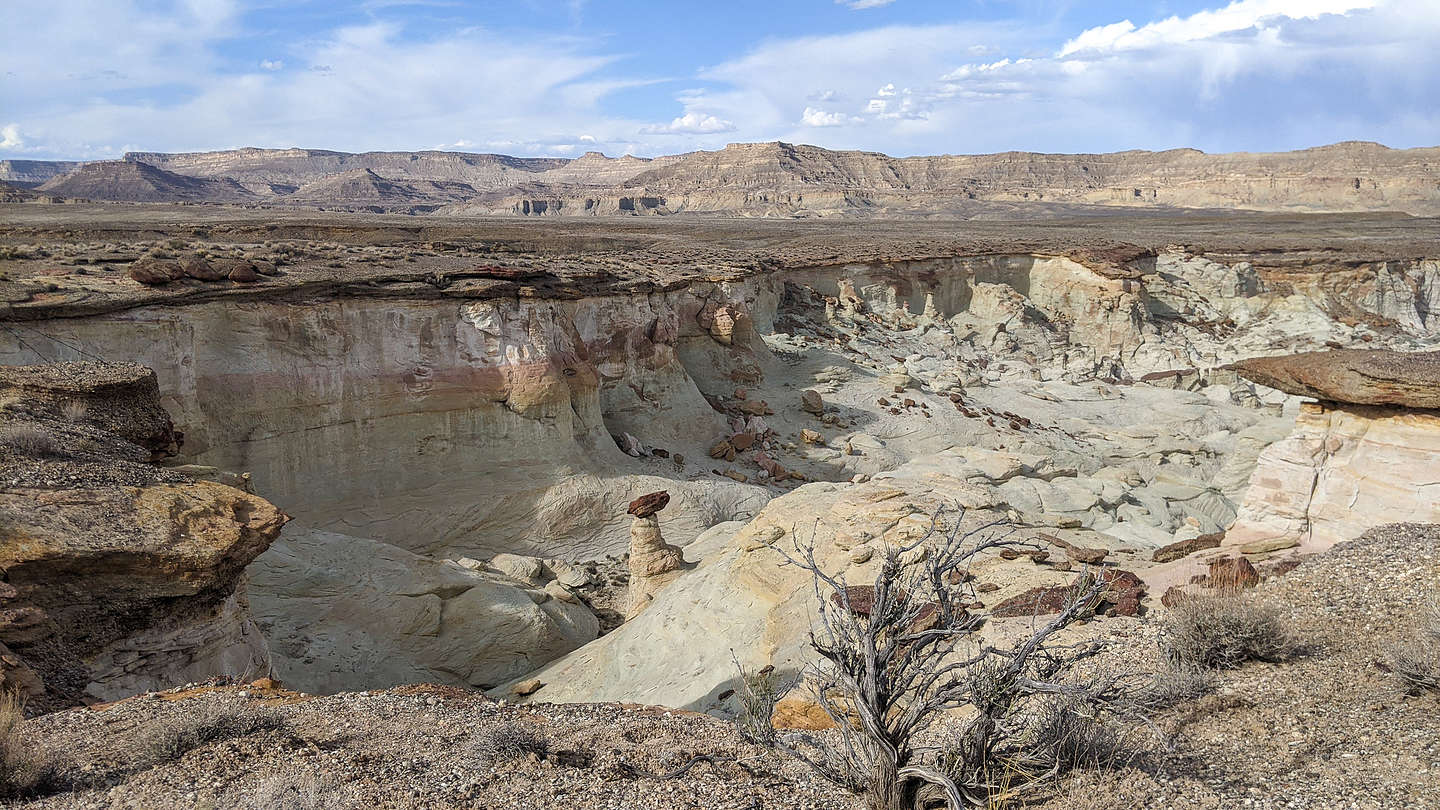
1354,377
122,398
1349,464
653,562
118,576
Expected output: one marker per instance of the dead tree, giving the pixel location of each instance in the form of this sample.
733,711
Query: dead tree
897,654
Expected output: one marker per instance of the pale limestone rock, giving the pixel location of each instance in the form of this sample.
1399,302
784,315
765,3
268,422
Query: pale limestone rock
519,567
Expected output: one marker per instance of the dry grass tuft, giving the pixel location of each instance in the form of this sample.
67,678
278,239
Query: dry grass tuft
509,740
1175,684
76,410
25,771
29,440
1070,734
1416,661
1223,631
293,791
174,736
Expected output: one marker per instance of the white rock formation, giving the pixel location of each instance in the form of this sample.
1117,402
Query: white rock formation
344,612
1341,471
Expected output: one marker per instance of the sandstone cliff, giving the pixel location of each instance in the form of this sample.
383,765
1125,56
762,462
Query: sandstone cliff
1368,453
119,576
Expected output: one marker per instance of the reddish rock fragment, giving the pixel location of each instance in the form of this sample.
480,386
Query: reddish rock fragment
647,505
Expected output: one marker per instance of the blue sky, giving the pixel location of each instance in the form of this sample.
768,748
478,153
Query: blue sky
95,78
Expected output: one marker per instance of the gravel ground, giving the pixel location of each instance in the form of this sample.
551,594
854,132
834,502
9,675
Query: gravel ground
1330,729
422,747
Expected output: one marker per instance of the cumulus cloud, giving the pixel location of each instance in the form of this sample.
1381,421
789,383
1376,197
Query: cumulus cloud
820,118
1247,74
10,137
1252,74
1238,16
692,123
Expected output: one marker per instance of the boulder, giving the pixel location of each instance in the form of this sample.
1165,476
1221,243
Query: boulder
198,268
244,274
153,272
811,402
1232,574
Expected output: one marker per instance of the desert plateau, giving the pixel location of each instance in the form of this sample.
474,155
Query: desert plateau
525,451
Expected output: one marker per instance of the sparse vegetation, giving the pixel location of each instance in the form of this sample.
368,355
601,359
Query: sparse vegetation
1174,684
293,791
898,656
509,740
1416,660
75,410
758,692
28,439
25,770
176,735
1223,631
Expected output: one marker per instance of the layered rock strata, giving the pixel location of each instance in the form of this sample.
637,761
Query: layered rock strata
653,562
119,576
1349,464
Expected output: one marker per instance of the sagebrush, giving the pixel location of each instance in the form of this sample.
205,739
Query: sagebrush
1223,631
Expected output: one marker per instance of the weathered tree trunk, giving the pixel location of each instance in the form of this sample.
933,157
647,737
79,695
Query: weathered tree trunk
885,789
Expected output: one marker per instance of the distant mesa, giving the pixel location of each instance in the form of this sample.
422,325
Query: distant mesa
123,181
773,179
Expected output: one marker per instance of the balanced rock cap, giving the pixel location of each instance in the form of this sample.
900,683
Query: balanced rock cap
647,505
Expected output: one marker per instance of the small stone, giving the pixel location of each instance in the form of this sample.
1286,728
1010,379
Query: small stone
811,402
861,554
527,687
811,436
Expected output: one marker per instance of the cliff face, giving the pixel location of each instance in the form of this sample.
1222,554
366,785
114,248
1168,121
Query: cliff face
118,576
1368,453
1343,470
422,399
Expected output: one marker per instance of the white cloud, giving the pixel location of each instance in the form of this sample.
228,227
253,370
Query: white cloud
820,118
692,123
1253,74
10,137
1238,16
355,88
861,4
91,78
